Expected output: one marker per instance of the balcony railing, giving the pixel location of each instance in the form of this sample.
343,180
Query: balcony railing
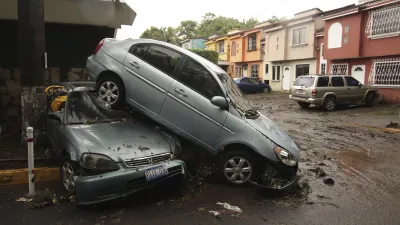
385,72
384,22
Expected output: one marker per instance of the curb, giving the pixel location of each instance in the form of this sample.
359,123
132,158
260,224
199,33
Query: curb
20,176
390,130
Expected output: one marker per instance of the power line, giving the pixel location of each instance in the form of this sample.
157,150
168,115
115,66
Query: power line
282,1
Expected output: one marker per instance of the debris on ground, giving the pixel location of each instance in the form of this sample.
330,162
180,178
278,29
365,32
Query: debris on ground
40,199
23,199
319,172
329,181
234,211
230,207
393,125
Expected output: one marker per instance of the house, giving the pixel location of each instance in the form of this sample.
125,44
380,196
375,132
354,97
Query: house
290,48
194,43
363,41
246,52
220,45
72,31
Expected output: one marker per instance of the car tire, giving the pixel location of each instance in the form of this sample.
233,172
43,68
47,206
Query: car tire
304,105
68,170
110,86
265,90
237,167
330,103
369,100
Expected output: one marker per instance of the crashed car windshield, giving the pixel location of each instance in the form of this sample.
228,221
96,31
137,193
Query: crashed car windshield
88,108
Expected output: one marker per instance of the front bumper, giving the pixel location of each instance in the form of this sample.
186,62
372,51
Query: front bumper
117,184
277,177
316,101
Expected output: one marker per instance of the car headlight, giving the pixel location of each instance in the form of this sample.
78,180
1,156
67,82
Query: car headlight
97,164
285,156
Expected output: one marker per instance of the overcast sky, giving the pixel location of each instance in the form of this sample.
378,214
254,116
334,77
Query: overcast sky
171,12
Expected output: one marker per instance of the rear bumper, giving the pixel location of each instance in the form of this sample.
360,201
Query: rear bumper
316,101
93,67
117,184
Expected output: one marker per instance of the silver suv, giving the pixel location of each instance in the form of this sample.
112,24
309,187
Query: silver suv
198,100
328,91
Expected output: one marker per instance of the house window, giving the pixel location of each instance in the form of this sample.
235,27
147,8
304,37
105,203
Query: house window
385,73
277,39
277,47
303,69
384,21
276,73
322,50
233,48
251,42
323,68
339,69
346,40
266,68
254,70
221,47
346,29
299,36
239,71
335,36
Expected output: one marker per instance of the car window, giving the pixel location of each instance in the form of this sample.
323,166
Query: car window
253,81
162,58
304,81
337,82
199,79
323,82
245,80
351,81
139,50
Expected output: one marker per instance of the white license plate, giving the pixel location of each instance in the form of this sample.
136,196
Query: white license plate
300,92
155,172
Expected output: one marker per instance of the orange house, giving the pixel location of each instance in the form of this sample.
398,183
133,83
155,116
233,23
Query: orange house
246,53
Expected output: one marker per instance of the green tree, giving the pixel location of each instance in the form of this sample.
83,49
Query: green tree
275,19
187,29
166,34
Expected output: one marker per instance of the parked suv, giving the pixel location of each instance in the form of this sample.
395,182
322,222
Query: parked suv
328,91
198,100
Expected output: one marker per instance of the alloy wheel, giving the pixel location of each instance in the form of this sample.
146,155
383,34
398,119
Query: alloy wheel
68,177
238,170
330,104
109,92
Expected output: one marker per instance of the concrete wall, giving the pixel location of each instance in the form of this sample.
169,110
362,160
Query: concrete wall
305,51
198,44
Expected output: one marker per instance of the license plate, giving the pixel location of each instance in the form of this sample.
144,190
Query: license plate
300,92
155,172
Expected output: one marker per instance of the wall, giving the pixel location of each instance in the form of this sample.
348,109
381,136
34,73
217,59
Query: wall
239,49
271,51
352,48
198,44
301,51
224,55
68,47
252,55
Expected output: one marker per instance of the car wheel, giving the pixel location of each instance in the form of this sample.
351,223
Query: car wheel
112,91
304,104
369,99
237,167
330,103
68,171
265,90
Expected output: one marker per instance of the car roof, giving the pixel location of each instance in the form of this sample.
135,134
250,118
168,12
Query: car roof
78,86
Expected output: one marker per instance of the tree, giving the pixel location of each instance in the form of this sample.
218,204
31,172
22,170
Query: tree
187,29
166,34
275,19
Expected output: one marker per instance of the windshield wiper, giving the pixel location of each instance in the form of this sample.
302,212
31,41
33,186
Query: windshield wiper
251,114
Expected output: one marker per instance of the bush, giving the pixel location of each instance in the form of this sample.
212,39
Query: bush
207,54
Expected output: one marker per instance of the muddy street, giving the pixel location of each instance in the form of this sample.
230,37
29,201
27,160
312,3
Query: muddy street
349,175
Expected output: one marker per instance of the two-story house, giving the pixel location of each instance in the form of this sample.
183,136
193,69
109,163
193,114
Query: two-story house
246,52
363,40
220,44
194,43
290,49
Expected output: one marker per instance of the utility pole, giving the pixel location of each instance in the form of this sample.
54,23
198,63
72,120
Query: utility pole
31,42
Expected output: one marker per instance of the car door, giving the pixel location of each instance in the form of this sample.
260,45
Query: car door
354,89
245,85
148,73
254,86
339,89
188,109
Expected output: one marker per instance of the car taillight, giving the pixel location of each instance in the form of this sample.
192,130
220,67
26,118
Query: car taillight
314,92
99,46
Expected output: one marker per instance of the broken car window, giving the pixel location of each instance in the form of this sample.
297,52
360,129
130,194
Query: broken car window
88,108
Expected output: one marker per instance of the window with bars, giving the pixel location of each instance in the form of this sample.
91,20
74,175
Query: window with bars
385,73
323,68
254,70
221,47
339,69
299,36
252,42
239,71
383,22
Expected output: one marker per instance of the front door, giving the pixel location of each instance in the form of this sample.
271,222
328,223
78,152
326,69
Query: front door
286,78
148,75
245,71
188,110
358,72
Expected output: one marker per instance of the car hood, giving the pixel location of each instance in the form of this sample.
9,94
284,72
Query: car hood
274,133
122,141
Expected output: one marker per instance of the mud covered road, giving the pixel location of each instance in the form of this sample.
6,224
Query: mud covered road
347,146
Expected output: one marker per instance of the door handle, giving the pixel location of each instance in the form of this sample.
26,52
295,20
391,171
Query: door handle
135,64
180,91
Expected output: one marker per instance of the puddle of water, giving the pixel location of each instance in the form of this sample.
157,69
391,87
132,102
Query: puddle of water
359,159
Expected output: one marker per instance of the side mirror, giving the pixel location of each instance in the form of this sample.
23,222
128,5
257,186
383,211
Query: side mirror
54,116
220,102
